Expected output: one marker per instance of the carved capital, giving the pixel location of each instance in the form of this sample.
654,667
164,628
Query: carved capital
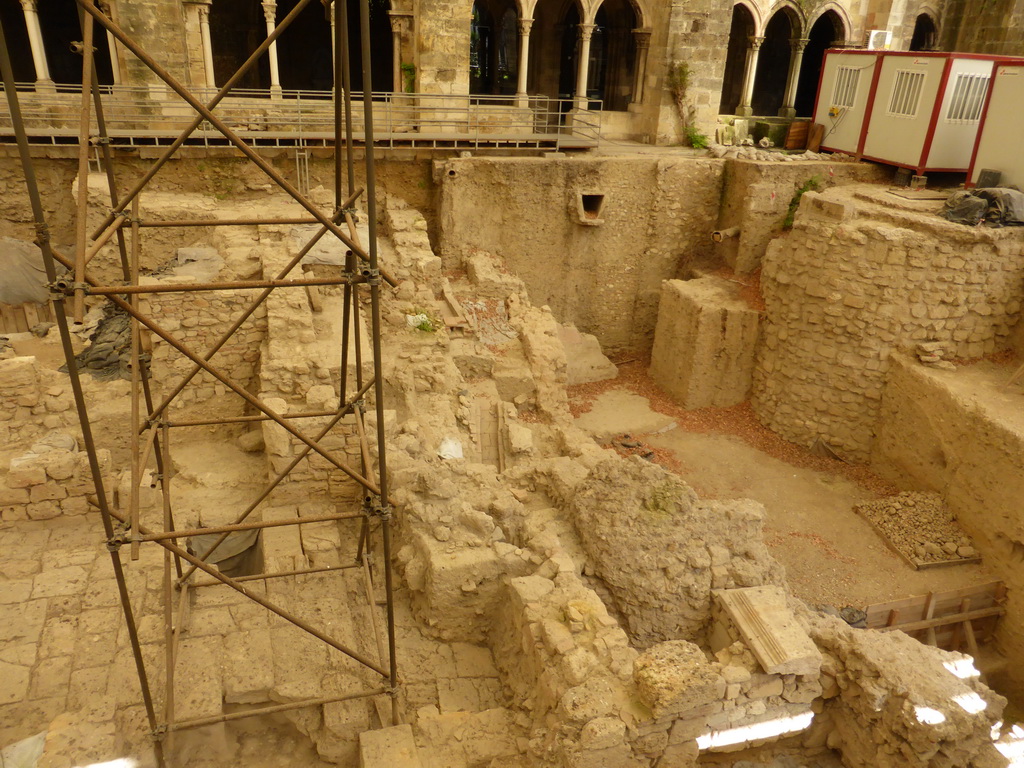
28,6
587,31
524,27
755,42
270,11
642,38
799,45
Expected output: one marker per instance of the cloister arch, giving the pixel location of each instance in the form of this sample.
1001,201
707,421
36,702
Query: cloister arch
926,33
827,31
782,31
494,49
741,31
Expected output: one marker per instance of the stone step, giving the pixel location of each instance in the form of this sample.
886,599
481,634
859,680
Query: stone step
389,748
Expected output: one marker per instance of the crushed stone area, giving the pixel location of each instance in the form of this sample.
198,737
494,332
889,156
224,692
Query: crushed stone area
831,555
920,527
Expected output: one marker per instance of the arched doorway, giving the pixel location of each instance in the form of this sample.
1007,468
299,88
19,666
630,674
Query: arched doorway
825,33
554,39
740,32
773,62
18,47
304,53
237,27
494,48
61,27
926,34
381,46
613,55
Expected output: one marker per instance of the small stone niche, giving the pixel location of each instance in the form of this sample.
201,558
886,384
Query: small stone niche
588,208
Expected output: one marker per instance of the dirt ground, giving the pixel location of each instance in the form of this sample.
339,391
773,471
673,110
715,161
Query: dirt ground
830,554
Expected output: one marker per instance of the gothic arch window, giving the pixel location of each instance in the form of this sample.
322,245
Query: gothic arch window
825,33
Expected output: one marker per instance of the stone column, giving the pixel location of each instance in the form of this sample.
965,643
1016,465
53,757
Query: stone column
749,73
270,16
586,32
523,74
642,37
35,41
796,58
402,26
204,34
115,70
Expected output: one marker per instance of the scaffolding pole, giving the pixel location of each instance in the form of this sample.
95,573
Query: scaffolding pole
150,425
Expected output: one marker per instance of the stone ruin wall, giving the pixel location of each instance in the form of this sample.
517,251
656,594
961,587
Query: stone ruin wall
601,274
484,565
934,432
198,320
756,198
849,286
45,475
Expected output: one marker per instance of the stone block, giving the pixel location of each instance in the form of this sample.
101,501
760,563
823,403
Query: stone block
389,748
675,676
704,343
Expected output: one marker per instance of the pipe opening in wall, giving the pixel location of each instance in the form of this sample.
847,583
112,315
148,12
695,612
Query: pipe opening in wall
592,205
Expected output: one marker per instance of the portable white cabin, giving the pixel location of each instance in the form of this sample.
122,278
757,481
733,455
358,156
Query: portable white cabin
918,110
999,139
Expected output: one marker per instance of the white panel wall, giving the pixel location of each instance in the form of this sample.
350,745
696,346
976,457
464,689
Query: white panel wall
1001,144
900,139
843,132
954,139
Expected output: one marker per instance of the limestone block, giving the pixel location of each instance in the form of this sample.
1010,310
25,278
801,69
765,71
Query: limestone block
704,343
771,631
675,676
585,360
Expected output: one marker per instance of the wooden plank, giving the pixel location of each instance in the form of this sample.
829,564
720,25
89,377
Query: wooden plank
7,322
972,642
954,641
982,595
815,137
31,315
797,135
915,626
929,613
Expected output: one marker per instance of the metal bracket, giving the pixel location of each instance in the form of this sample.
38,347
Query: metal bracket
65,286
159,733
380,511
372,276
118,540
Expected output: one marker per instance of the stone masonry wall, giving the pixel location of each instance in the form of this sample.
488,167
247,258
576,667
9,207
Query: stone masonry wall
704,344
962,436
47,485
856,280
601,272
197,320
33,400
995,26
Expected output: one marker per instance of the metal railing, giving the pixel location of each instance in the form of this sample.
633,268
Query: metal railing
151,115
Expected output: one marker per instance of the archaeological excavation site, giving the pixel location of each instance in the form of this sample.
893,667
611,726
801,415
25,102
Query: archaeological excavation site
535,384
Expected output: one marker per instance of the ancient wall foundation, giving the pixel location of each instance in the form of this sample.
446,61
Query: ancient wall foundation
591,238
704,343
857,280
962,436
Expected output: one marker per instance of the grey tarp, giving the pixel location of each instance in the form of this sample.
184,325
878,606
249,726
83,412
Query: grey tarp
22,277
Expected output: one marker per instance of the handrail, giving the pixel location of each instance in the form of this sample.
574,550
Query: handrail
136,112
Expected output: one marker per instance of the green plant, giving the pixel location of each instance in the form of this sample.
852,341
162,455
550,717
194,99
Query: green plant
695,137
678,82
409,77
813,183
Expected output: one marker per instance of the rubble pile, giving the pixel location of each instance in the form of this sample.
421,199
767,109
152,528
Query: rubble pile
920,526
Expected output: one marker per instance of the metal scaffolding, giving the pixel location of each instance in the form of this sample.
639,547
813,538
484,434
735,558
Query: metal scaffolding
152,427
